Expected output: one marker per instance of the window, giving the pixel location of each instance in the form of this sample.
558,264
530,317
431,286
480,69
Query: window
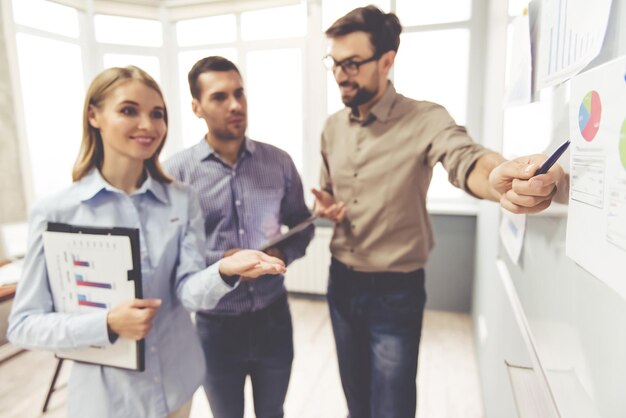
289,21
147,63
207,30
46,16
333,9
52,99
333,97
434,63
128,31
516,7
278,50
414,13
434,66
275,99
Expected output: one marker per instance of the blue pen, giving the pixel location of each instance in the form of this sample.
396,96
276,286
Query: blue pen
552,159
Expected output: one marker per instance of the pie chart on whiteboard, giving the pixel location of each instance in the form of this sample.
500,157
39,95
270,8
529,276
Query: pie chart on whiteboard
589,115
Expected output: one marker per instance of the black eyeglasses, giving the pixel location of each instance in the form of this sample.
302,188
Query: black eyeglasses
348,66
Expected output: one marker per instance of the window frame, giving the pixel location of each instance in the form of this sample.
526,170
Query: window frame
475,26
313,46
11,30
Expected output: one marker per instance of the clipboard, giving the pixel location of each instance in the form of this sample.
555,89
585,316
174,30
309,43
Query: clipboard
94,268
292,231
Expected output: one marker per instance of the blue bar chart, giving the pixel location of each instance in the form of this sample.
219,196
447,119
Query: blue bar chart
571,35
83,300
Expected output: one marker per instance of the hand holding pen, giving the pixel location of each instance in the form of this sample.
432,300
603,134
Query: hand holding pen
528,184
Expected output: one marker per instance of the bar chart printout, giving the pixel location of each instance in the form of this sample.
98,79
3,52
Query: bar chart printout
91,273
571,34
81,280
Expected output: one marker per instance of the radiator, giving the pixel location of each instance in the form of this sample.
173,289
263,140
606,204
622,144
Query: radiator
309,274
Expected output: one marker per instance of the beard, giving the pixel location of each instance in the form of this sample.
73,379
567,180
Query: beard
227,135
362,96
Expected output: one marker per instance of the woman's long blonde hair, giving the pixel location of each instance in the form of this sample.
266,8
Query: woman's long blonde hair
91,153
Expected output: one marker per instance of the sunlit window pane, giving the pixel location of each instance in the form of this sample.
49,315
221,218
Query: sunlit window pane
275,99
207,30
194,128
333,97
441,189
145,62
433,66
280,22
128,31
333,9
412,12
52,108
47,16
516,7
522,137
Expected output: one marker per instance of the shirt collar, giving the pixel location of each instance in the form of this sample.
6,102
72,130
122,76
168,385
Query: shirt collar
203,150
93,183
382,109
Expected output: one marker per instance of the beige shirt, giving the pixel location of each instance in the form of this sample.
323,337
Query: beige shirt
381,169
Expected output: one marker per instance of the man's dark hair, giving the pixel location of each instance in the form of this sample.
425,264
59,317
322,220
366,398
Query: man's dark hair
213,63
383,28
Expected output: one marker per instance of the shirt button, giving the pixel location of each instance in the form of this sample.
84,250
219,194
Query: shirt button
237,202
251,288
153,349
156,379
241,232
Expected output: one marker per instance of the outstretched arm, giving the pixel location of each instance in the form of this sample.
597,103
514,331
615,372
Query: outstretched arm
250,264
200,288
513,184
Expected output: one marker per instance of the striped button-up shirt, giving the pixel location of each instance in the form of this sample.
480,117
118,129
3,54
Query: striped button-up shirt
244,206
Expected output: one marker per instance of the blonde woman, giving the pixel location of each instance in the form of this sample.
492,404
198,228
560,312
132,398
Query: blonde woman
118,181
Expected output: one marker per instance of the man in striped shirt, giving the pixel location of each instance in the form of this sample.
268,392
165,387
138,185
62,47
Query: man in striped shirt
247,190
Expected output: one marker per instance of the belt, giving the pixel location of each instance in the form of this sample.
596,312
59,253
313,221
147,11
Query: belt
383,280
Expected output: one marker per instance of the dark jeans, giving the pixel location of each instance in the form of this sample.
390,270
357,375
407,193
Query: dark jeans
377,323
258,344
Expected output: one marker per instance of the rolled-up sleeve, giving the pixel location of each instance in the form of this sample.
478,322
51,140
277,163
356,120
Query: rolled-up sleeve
453,147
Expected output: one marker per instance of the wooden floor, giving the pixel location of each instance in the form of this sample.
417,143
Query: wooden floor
448,384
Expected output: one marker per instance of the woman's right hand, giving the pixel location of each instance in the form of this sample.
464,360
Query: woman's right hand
133,320
250,264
